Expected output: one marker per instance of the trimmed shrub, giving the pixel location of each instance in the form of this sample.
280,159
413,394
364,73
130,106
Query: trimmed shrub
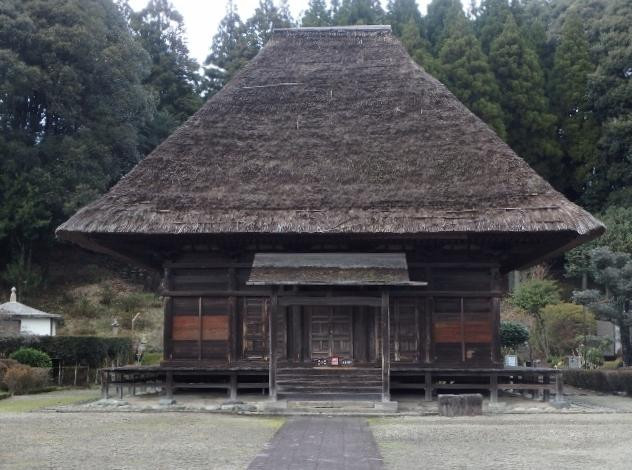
513,334
32,357
601,380
23,379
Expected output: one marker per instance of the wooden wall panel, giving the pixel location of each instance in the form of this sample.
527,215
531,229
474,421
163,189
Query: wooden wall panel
215,327
186,328
185,349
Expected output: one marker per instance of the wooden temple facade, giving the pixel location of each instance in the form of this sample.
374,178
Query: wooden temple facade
446,316
332,223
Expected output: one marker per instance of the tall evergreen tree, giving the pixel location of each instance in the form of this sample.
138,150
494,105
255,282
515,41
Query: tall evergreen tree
358,12
71,103
317,14
491,17
267,16
230,50
441,14
530,126
174,78
400,13
578,131
465,70
610,97
407,24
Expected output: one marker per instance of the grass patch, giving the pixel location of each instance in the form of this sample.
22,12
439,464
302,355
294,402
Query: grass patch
23,403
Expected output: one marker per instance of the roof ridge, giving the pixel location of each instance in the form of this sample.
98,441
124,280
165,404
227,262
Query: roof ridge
367,27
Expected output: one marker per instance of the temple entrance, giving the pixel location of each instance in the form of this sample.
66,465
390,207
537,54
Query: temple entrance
331,332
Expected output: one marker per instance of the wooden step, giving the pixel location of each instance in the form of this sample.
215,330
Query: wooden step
332,383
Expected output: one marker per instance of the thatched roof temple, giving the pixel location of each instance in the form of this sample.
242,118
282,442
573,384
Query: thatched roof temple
333,208
332,131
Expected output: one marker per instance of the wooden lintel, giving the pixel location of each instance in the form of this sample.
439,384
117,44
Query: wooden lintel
330,301
216,293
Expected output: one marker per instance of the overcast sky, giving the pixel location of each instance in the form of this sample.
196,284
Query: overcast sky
201,18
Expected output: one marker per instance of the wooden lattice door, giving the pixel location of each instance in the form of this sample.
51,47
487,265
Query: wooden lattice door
331,332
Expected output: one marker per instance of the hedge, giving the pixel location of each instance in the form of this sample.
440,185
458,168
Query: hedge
92,351
607,381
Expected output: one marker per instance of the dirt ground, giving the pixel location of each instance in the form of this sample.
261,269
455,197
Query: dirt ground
48,440
563,441
594,432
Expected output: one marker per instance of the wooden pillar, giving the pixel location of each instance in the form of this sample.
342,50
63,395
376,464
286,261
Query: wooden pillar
559,387
169,385
493,388
546,393
496,287
105,384
168,319
233,386
386,346
428,386
272,331
121,385
232,305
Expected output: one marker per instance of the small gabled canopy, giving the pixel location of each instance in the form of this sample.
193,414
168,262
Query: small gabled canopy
332,131
331,269
15,309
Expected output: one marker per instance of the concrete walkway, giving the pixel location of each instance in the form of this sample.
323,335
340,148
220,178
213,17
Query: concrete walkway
315,443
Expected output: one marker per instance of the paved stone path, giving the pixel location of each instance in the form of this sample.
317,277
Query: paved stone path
315,443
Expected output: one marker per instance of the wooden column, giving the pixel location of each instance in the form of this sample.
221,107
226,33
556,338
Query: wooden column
105,384
559,387
496,287
386,345
232,305
272,331
169,385
233,386
428,386
168,317
493,388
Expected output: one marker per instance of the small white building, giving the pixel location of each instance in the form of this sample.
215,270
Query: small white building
17,318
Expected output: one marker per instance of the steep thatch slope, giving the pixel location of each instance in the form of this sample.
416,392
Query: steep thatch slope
335,131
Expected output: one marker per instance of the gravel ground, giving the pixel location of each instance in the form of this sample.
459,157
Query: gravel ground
587,441
46,440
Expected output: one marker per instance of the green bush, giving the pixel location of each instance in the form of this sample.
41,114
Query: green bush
25,379
601,380
32,357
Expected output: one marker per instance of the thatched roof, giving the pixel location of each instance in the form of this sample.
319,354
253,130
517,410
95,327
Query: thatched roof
332,130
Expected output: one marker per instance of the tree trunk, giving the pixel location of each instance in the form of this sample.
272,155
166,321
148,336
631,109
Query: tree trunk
626,347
